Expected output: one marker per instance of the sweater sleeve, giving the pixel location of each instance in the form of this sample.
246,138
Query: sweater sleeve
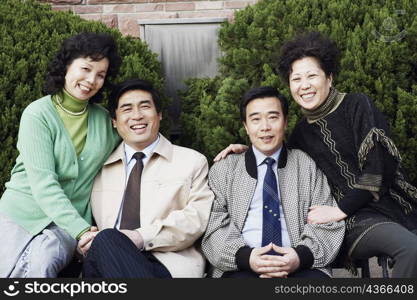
36,146
377,155
354,200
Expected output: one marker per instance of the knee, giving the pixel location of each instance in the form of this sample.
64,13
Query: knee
103,243
107,235
106,238
412,250
409,252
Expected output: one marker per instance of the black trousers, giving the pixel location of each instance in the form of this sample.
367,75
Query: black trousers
393,240
113,255
313,273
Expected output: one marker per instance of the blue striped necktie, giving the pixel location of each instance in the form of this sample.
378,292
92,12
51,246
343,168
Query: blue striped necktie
271,226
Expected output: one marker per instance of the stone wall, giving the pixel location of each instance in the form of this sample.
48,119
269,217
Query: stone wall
125,14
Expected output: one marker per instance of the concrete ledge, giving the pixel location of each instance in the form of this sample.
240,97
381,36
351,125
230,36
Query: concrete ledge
181,21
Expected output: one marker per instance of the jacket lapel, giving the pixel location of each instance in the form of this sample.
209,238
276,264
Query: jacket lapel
288,188
164,149
246,179
114,174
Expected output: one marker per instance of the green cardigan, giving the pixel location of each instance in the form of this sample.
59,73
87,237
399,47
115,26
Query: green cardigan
49,183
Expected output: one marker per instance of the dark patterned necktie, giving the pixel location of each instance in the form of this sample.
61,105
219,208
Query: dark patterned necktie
131,205
271,226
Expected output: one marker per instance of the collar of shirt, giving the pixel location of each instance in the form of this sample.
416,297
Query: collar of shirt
260,157
148,151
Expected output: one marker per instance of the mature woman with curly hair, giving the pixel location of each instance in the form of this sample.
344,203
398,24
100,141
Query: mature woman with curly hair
349,139
64,139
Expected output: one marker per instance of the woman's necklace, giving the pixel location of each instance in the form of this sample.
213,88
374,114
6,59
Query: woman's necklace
68,111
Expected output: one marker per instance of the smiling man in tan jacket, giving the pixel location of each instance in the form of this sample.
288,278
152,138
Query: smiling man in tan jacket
151,200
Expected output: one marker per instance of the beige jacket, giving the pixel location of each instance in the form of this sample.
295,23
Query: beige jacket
175,204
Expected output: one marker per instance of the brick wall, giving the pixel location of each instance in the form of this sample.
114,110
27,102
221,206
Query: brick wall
125,14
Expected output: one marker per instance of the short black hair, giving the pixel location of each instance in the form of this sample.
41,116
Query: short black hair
129,85
87,44
312,44
262,92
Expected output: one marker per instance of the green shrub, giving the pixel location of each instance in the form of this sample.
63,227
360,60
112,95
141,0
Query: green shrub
30,34
378,40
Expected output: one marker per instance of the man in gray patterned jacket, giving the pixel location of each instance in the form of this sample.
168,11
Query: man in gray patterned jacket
258,224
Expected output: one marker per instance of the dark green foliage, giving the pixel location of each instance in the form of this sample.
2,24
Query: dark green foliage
30,34
214,117
378,41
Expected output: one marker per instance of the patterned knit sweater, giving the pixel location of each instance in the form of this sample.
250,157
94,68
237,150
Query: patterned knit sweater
352,146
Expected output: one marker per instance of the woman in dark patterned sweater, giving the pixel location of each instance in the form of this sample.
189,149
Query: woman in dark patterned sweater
349,140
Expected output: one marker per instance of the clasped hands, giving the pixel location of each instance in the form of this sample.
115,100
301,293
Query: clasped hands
87,238
270,266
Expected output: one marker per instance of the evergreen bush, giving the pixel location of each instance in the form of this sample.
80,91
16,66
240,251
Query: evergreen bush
30,34
378,41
